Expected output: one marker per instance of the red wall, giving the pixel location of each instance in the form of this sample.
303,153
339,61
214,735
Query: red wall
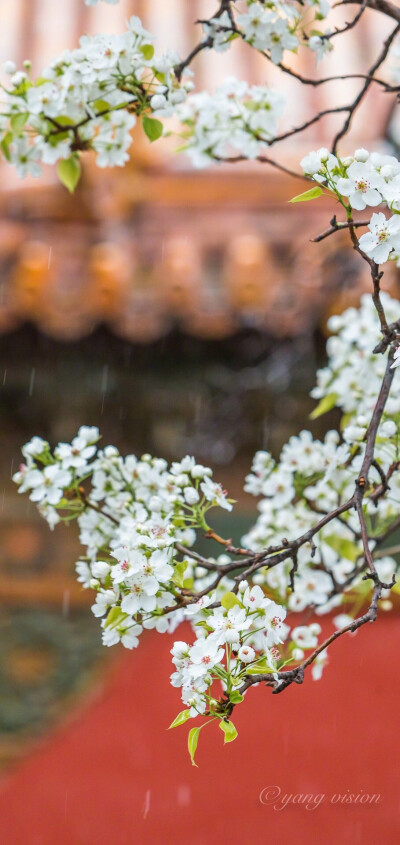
113,774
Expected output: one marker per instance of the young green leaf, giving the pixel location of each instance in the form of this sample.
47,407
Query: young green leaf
153,128
179,571
69,172
326,404
229,600
236,697
260,668
181,718
17,122
115,617
148,51
193,739
312,194
5,145
228,728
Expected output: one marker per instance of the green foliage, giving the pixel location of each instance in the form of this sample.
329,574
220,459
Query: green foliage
228,728
5,145
229,600
193,739
69,172
115,617
236,697
179,571
17,122
152,127
326,404
312,194
148,51
180,719
344,548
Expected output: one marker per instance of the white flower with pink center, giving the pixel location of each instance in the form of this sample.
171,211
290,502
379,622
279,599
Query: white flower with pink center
362,186
229,625
142,595
383,237
130,564
204,655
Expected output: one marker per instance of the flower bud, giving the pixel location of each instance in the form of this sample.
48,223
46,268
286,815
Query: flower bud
361,155
246,654
94,584
100,568
191,495
178,96
158,102
297,654
9,67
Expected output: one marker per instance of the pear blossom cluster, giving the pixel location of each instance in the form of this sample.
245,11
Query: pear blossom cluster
236,118
271,27
135,512
241,636
88,99
353,375
366,180
140,518
313,476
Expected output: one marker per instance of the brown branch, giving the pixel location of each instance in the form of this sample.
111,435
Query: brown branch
387,8
360,96
337,227
376,276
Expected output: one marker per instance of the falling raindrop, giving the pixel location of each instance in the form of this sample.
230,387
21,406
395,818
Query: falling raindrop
49,258
12,467
183,797
4,377
104,380
32,381
146,807
65,603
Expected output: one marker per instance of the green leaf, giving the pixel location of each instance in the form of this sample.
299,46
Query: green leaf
179,571
64,120
188,583
17,122
312,194
345,421
181,718
153,128
229,730
101,105
326,404
56,139
114,617
229,600
344,548
148,51
260,668
193,739
301,482
69,172
236,697
5,145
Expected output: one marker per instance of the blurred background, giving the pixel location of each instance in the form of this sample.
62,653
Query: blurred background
180,311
